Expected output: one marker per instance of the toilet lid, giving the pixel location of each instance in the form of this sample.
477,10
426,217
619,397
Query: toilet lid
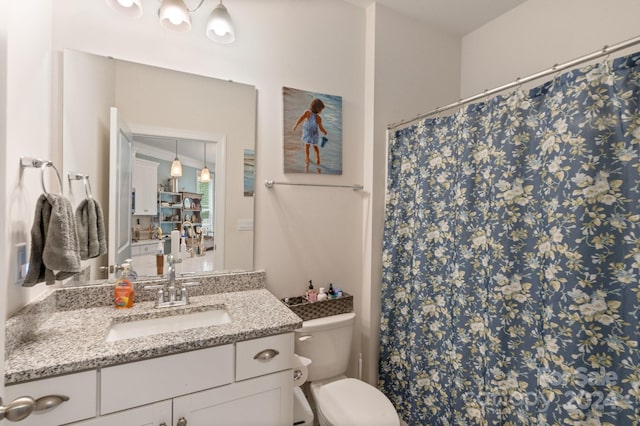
354,402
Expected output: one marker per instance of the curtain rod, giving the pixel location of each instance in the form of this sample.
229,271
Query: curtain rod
519,81
269,184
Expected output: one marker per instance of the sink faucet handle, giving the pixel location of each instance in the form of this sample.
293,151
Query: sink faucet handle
160,289
184,294
172,260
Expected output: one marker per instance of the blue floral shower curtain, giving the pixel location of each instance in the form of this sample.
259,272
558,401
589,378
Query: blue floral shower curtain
511,258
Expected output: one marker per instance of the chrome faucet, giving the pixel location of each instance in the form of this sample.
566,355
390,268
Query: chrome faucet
168,293
170,285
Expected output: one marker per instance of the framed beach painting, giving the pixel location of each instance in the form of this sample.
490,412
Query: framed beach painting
312,132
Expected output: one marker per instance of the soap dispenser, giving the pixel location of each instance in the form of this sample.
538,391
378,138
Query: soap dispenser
160,258
312,295
123,291
332,293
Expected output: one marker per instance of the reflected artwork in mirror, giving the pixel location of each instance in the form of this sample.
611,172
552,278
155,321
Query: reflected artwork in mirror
124,124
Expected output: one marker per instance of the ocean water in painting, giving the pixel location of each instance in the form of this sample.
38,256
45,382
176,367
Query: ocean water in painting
296,102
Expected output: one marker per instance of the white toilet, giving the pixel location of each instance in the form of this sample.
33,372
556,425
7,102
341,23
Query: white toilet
340,401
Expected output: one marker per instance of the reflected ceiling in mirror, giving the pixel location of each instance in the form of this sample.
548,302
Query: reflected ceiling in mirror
161,105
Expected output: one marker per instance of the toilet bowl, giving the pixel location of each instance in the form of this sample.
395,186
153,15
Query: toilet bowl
339,401
352,402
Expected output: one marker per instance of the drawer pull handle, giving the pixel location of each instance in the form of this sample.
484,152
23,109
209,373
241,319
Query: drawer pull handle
18,409
49,402
304,338
266,355
182,422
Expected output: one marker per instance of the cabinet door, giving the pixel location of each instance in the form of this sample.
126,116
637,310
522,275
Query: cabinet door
145,185
264,401
158,414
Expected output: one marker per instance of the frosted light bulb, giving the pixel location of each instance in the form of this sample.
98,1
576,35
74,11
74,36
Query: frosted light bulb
175,19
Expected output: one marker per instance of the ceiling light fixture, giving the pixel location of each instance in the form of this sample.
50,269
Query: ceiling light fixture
176,167
219,25
205,176
131,8
176,16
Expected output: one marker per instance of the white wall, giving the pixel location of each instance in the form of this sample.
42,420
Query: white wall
4,22
85,123
28,131
540,33
411,69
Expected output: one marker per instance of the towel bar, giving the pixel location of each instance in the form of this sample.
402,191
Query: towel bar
79,176
41,164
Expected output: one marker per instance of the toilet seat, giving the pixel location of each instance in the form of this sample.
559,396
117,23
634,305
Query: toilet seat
354,402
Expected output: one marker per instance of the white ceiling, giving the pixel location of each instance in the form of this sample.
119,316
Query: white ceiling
457,17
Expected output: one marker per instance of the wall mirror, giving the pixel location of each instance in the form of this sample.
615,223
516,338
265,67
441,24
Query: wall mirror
154,115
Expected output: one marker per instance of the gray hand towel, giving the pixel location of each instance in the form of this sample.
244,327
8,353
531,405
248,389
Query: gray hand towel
54,241
91,234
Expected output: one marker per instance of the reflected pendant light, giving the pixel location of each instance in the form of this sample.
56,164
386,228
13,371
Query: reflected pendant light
205,176
174,15
219,25
176,167
130,8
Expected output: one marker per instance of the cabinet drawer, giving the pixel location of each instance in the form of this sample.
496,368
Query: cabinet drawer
144,249
81,389
143,382
276,351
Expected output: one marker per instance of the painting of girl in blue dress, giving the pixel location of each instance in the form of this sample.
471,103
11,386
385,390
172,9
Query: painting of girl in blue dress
312,132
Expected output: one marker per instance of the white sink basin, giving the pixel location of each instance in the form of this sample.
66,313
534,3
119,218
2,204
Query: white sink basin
178,322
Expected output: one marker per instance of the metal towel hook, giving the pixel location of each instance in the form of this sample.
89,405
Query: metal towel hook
42,165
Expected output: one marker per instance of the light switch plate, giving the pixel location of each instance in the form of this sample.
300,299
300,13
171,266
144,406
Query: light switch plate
245,224
22,262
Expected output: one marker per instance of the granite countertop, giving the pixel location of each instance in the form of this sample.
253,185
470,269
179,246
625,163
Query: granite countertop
73,340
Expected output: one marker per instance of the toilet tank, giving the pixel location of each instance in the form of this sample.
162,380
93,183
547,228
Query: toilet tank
327,342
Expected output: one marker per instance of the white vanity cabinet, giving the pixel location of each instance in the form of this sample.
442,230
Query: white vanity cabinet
145,186
261,401
249,383
262,393
143,382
